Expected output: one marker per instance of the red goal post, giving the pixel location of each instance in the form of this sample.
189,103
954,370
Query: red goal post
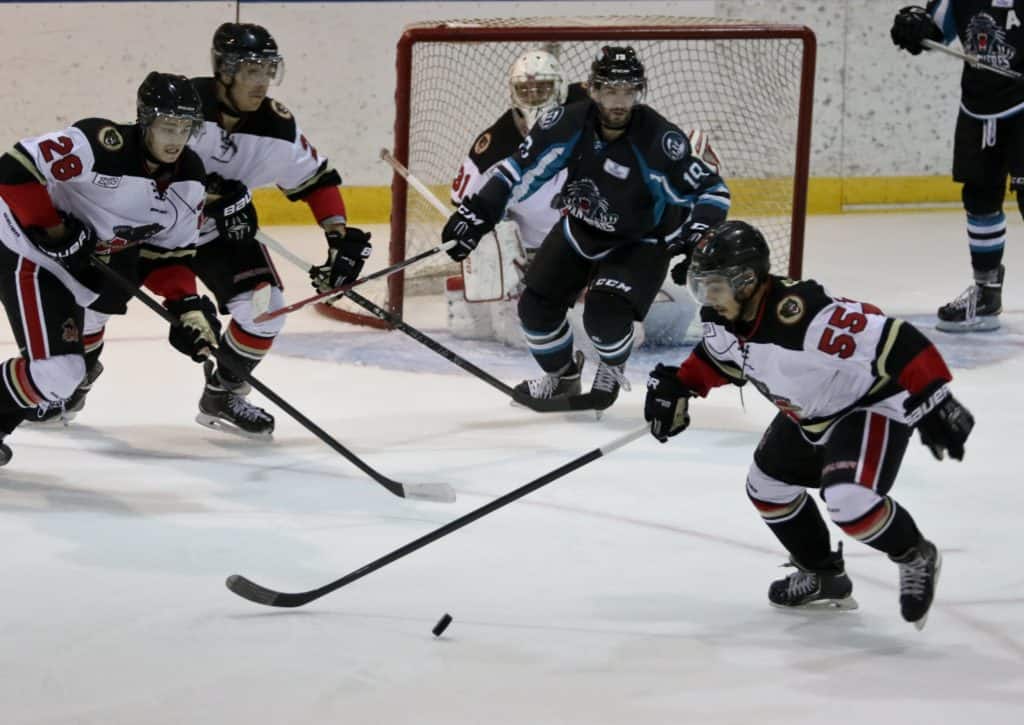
748,85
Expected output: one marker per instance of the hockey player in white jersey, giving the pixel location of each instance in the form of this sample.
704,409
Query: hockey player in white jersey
249,140
850,384
94,186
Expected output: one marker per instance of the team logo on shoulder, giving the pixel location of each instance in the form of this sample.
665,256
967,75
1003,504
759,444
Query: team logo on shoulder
69,331
482,143
790,310
550,118
110,138
279,109
673,144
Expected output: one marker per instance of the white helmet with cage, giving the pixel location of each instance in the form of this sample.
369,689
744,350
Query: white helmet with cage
536,83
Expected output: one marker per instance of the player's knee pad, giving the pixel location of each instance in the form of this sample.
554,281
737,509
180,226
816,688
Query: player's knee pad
57,377
241,309
775,500
980,199
539,313
848,502
608,320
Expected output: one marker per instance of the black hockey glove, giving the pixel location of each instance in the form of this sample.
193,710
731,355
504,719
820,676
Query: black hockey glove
941,421
912,25
667,405
345,258
232,211
467,226
72,249
199,328
688,238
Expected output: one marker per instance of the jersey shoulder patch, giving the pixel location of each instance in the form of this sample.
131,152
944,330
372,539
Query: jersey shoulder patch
496,143
115,146
272,120
790,307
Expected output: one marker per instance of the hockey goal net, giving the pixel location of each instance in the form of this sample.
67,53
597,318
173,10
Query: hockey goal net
748,85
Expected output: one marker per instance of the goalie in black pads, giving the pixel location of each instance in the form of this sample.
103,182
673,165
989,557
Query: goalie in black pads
988,143
626,166
850,385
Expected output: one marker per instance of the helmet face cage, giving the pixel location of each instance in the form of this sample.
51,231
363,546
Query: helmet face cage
536,84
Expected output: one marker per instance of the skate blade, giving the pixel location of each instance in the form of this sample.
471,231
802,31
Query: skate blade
979,324
847,604
51,423
214,423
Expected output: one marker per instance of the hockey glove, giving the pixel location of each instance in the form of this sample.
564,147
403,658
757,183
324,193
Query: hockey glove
912,25
231,209
198,330
688,238
466,226
71,249
941,421
667,405
345,258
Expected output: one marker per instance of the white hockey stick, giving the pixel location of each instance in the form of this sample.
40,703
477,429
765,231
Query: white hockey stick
415,183
971,60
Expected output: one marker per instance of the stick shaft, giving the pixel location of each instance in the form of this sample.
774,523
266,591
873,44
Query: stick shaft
415,183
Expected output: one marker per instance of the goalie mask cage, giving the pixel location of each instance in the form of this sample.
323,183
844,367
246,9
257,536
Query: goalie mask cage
747,85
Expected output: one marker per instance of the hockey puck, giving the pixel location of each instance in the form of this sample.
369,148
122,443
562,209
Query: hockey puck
442,624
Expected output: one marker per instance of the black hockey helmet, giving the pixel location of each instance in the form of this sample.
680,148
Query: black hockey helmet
235,43
166,94
734,252
617,65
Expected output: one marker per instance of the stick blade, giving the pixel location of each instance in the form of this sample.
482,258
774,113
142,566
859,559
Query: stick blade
252,591
436,492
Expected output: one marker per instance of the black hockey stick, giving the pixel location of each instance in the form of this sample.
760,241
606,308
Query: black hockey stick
426,491
557,405
247,589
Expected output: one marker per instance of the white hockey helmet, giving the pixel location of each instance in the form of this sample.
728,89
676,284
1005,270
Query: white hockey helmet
536,83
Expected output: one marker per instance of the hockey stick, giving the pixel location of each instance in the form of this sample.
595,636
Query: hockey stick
415,183
971,60
393,320
556,405
339,291
247,589
426,491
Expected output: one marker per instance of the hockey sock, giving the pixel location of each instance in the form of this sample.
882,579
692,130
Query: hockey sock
799,526
608,320
986,225
552,350
887,527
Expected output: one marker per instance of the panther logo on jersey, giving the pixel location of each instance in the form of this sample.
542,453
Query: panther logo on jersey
584,201
550,118
988,41
280,109
69,331
790,310
110,138
673,144
482,143
228,148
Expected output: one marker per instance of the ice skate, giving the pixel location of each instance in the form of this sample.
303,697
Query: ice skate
814,588
919,573
223,407
66,410
559,384
977,308
607,381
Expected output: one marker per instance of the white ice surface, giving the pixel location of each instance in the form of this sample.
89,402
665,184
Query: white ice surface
631,591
